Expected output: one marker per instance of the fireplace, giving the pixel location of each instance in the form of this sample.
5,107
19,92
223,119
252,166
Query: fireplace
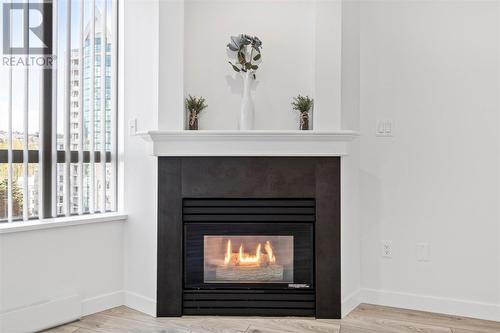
252,262
260,251
249,236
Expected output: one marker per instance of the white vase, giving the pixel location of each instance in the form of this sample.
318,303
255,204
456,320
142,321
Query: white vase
247,107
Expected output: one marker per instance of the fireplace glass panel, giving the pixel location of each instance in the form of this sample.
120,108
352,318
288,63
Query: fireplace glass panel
248,259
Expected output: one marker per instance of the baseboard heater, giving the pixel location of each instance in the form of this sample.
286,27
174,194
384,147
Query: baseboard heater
42,315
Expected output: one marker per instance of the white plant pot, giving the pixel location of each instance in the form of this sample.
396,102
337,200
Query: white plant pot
247,111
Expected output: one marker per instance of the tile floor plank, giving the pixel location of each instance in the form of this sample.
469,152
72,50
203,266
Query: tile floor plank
346,328
257,329
475,325
68,328
293,325
198,324
392,326
108,324
84,330
460,330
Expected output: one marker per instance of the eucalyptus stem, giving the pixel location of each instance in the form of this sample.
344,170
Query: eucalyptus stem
239,45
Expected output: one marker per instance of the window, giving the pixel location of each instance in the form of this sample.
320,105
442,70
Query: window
57,133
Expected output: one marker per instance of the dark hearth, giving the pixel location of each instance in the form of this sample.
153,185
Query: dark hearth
249,236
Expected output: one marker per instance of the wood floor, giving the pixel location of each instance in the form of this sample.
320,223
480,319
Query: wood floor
364,319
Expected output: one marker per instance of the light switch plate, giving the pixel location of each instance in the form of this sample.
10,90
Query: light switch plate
384,128
386,249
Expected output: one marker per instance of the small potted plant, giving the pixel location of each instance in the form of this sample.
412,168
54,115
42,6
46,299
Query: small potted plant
303,105
194,105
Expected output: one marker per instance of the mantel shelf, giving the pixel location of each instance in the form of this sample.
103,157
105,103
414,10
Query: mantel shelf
249,143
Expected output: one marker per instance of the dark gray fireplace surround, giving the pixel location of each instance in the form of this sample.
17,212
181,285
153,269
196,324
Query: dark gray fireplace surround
308,186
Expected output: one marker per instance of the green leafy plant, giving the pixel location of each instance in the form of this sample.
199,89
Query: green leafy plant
303,104
195,105
247,54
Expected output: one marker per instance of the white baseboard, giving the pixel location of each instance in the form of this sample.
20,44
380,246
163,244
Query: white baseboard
102,302
487,311
350,302
40,316
140,303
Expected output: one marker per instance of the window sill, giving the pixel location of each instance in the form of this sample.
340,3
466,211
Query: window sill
20,226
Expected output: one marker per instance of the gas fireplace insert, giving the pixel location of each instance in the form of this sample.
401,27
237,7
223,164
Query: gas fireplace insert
259,252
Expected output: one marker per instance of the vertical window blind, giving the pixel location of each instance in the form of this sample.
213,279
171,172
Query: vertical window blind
58,128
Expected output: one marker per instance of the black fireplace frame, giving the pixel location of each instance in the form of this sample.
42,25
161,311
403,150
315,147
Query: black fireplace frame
249,177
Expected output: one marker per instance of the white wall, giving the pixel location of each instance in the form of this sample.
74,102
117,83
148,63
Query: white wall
140,101
350,228
40,266
432,67
328,84
171,64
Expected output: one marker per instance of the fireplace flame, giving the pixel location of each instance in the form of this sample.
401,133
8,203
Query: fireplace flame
227,257
245,258
269,251
242,258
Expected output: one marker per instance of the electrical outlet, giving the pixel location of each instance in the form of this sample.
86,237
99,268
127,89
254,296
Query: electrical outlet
423,252
387,249
384,128
132,126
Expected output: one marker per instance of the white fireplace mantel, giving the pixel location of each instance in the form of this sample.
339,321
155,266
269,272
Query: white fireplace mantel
249,143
